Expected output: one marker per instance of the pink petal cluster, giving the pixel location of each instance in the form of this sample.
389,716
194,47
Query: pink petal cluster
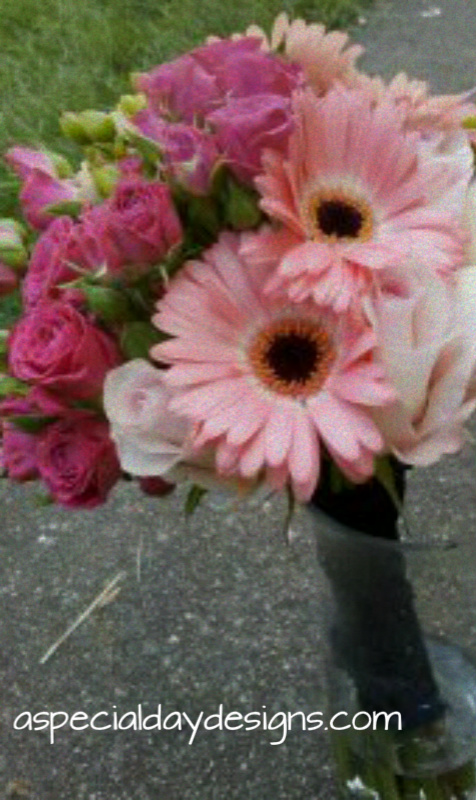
229,98
215,309
206,78
57,348
247,126
189,153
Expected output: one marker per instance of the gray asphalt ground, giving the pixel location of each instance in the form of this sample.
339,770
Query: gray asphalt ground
216,610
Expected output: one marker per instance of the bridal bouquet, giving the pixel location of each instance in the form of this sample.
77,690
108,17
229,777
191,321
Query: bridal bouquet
261,271
264,262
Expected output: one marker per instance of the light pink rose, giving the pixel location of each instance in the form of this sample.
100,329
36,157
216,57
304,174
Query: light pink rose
138,224
189,154
56,347
19,452
246,126
152,441
77,460
150,438
8,280
62,247
428,348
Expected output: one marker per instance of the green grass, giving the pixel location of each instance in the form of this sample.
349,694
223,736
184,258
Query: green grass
62,55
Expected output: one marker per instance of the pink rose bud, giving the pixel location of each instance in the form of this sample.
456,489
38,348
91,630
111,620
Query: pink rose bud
54,346
8,280
19,453
77,460
138,224
156,486
44,183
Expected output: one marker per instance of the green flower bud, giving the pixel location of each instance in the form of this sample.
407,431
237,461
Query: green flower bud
13,252
105,179
61,164
88,126
130,104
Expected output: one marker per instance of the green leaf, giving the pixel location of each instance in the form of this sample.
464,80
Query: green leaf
291,501
137,338
194,498
386,477
43,500
69,208
31,424
9,385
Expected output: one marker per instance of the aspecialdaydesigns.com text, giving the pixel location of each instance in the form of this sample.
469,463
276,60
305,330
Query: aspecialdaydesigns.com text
279,722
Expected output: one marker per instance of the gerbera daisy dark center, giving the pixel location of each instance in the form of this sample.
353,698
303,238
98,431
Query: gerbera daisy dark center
292,356
337,218
336,214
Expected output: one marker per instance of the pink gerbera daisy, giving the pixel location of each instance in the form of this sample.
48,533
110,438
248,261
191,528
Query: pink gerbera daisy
265,382
356,195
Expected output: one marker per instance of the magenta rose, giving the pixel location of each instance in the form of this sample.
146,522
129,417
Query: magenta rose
138,224
56,347
203,80
247,126
19,453
242,69
62,247
180,89
189,153
77,460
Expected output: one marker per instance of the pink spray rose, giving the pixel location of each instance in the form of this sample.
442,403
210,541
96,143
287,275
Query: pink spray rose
19,452
62,247
138,224
77,460
56,347
42,186
248,125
